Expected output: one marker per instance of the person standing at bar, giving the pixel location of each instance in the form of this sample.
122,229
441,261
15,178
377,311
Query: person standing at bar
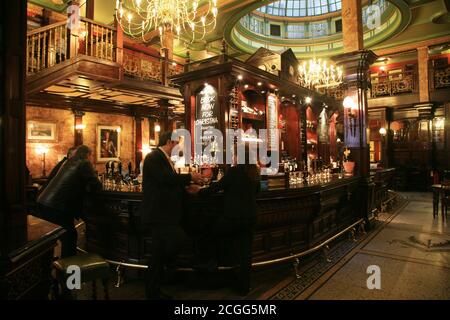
162,209
240,185
62,200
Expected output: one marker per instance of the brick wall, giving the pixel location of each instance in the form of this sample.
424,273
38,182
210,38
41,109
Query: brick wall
65,136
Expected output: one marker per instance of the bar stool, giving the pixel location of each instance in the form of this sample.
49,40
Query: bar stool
92,267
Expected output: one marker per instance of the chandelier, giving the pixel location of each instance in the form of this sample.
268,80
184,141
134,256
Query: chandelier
138,17
318,73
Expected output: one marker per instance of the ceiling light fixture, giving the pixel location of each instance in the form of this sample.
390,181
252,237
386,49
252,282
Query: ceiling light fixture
139,17
318,73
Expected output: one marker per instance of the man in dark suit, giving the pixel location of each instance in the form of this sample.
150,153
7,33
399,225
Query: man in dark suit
162,209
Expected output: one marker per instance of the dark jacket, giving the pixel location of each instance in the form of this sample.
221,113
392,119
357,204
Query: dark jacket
163,191
65,192
239,203
55,171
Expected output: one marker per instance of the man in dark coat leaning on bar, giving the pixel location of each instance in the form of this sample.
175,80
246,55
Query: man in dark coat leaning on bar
62,200
162,209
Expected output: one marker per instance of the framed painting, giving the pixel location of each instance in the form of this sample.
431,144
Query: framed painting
108,143
41,131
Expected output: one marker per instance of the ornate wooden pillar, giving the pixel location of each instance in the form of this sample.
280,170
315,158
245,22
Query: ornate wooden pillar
138,145
167,54
13,221
90,5
356,66
165,67
165,115
78,127
447,132
425,115
356,78
119,45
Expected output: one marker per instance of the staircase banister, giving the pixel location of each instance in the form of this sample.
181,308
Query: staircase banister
98,23
46,28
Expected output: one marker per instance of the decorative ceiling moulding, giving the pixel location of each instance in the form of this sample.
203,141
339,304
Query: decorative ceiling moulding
246,41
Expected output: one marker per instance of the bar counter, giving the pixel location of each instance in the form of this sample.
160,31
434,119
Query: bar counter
289,220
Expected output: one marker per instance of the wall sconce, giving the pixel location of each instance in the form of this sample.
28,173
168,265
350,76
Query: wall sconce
383,131
42,150
157,128
119,129
80,126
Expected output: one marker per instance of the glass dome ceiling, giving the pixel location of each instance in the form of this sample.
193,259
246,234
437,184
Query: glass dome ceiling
318,32
301,8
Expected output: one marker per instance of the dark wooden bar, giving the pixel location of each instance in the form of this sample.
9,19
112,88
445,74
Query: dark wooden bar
30,264
289,220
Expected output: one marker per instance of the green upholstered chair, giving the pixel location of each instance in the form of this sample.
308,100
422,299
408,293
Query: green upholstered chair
92,266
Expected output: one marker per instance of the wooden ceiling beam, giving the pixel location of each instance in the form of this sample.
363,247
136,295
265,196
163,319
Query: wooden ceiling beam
48,100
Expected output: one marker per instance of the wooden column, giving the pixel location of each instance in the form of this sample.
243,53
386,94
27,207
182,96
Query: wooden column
356,77
165,67
447,132
13,221
352,26
167,54
424,89
78,123
138,145
165,122
90,4
119,44
356,67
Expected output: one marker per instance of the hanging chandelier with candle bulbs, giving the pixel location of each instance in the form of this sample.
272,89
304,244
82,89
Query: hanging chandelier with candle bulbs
181,17
317,74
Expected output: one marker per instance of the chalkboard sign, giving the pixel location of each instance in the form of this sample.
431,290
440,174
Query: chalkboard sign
272,121
207,113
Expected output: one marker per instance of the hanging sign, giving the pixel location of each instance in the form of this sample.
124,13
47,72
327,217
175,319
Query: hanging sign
272,122
207,113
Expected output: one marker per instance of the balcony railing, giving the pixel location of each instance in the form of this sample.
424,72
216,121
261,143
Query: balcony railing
46,47
96,40
147,66
393,82
54,44
441,77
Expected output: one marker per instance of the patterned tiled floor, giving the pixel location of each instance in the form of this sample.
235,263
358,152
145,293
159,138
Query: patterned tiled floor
412,251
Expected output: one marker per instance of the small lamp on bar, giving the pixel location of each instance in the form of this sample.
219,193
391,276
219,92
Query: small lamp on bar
42,150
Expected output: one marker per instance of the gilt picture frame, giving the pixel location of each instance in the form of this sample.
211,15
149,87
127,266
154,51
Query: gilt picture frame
42,131
108,143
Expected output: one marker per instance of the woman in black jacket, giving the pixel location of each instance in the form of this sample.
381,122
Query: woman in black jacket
240,185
